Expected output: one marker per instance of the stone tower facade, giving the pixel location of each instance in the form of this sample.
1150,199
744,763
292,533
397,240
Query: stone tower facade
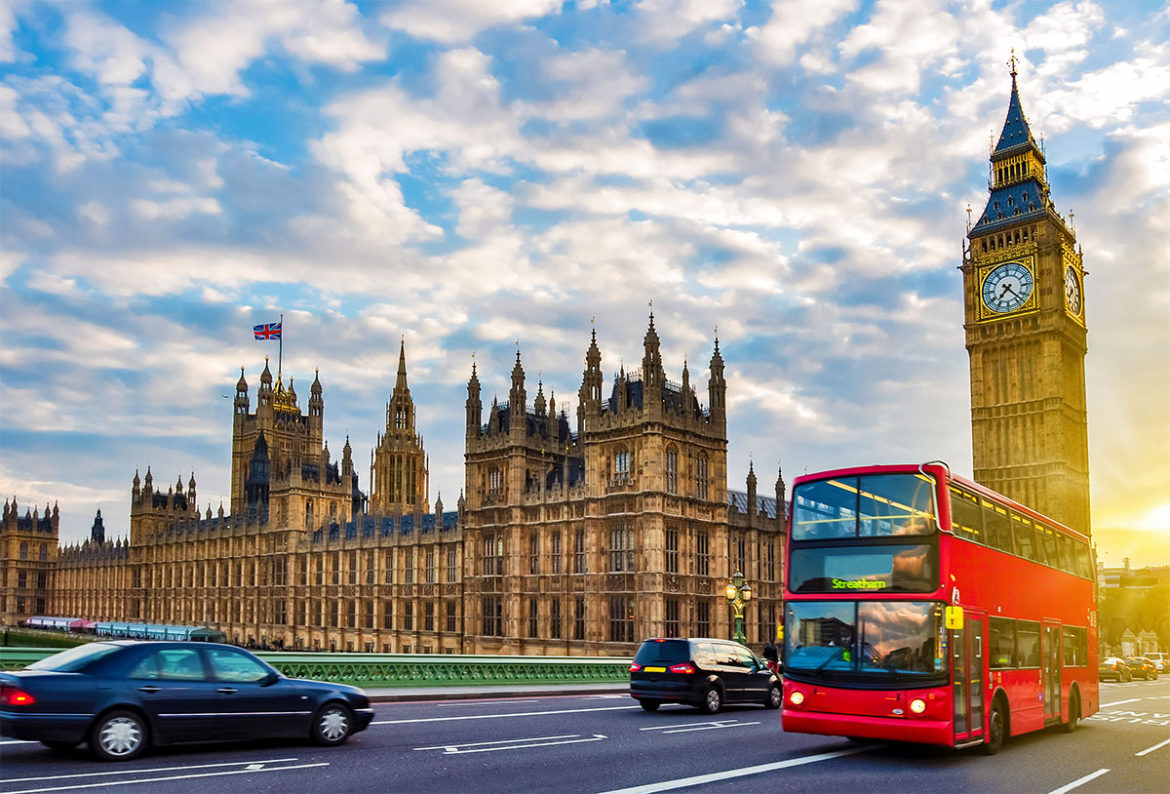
280,463
398,464
28,561
1023,287
587,541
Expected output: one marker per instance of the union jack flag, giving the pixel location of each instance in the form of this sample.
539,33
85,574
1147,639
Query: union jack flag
267,331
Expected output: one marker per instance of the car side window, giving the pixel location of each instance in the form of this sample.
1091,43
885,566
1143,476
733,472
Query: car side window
170,664
745,658
232,666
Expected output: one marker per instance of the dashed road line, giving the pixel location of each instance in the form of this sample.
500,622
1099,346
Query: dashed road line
698,780
1149,750
1079,782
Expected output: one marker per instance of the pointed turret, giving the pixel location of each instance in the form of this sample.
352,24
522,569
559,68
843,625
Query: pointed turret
241,401
589,398
97,533
717,387
652,373
751,489
474,406
517,400
781,503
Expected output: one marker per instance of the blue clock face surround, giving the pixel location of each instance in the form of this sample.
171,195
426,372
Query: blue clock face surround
1007,287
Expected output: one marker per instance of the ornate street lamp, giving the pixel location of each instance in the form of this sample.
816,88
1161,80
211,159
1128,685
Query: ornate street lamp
738,594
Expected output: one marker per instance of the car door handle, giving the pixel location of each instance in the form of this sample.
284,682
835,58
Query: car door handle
150,689
227,690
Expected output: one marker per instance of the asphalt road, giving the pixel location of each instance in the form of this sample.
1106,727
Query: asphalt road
606,743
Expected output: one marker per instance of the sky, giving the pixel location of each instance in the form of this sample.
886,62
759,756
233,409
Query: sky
476,178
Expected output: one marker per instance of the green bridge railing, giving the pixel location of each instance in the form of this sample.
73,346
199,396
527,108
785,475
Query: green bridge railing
403,670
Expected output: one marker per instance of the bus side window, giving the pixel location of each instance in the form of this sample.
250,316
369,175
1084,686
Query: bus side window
1084,567
1025,537
966,517
1047,536
997,527
1028,643
1002,642
1067,563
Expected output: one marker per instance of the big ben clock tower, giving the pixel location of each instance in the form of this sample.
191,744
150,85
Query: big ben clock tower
1025,327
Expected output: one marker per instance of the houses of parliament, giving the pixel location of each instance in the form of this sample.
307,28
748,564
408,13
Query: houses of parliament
576,535
582,528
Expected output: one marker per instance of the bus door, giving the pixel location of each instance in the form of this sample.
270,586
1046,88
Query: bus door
1050,670
967,670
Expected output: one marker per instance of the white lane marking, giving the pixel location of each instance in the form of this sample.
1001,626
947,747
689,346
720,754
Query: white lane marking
1149,750
699,726
499,716
160,779
514,744
1119,703
1079,782
184,767
698,780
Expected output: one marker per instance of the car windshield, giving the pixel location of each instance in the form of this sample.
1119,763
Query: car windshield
74,659
879,505
886,643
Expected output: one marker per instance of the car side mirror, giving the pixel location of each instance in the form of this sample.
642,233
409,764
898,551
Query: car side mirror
269,679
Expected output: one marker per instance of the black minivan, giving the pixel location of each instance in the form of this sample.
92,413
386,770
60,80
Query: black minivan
703,672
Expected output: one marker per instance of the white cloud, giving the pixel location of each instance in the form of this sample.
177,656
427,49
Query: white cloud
664,21
459,21
794,23
175,209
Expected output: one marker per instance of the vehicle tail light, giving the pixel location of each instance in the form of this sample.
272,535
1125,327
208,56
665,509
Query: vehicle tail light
686,668
11,696
635,667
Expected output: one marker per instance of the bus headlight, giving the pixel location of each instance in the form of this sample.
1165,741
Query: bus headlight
796,698
918,705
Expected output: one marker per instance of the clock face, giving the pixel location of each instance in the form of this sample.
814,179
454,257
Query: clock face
1072,291
1007,287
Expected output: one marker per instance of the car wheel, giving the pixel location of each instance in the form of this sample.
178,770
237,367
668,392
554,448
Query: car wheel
996,729
649,705
774,699
1074,714
332,724
60,747
118,736
713,700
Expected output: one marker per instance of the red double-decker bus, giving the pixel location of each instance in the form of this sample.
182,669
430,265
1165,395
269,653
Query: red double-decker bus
923,607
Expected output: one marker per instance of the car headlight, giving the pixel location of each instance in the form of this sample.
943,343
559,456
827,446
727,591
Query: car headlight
796,698
918,705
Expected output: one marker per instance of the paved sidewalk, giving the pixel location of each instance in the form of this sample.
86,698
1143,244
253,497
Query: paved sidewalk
403,693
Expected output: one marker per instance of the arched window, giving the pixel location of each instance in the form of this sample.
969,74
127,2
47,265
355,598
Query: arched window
308,514
24,550
671,469
495,483
621,465
701,475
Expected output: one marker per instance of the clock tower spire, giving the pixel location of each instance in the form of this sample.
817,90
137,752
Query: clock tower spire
1026,336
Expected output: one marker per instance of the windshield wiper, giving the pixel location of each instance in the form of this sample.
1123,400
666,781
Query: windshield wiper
839,652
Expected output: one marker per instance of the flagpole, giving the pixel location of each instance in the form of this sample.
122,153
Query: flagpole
280,350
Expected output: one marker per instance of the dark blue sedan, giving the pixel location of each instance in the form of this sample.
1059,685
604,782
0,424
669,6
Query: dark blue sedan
123,697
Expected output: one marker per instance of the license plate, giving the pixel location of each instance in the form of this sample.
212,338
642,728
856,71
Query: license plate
654,669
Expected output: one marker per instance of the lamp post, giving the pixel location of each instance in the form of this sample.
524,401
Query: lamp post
738,594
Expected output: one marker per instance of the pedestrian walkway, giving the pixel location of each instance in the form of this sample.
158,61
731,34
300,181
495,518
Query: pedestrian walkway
404,693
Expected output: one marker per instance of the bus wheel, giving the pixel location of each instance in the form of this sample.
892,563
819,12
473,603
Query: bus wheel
996,728
1074,713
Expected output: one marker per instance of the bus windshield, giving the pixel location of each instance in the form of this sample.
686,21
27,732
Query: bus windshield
878,505
883,643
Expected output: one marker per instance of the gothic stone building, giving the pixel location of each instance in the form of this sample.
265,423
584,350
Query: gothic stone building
569,541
